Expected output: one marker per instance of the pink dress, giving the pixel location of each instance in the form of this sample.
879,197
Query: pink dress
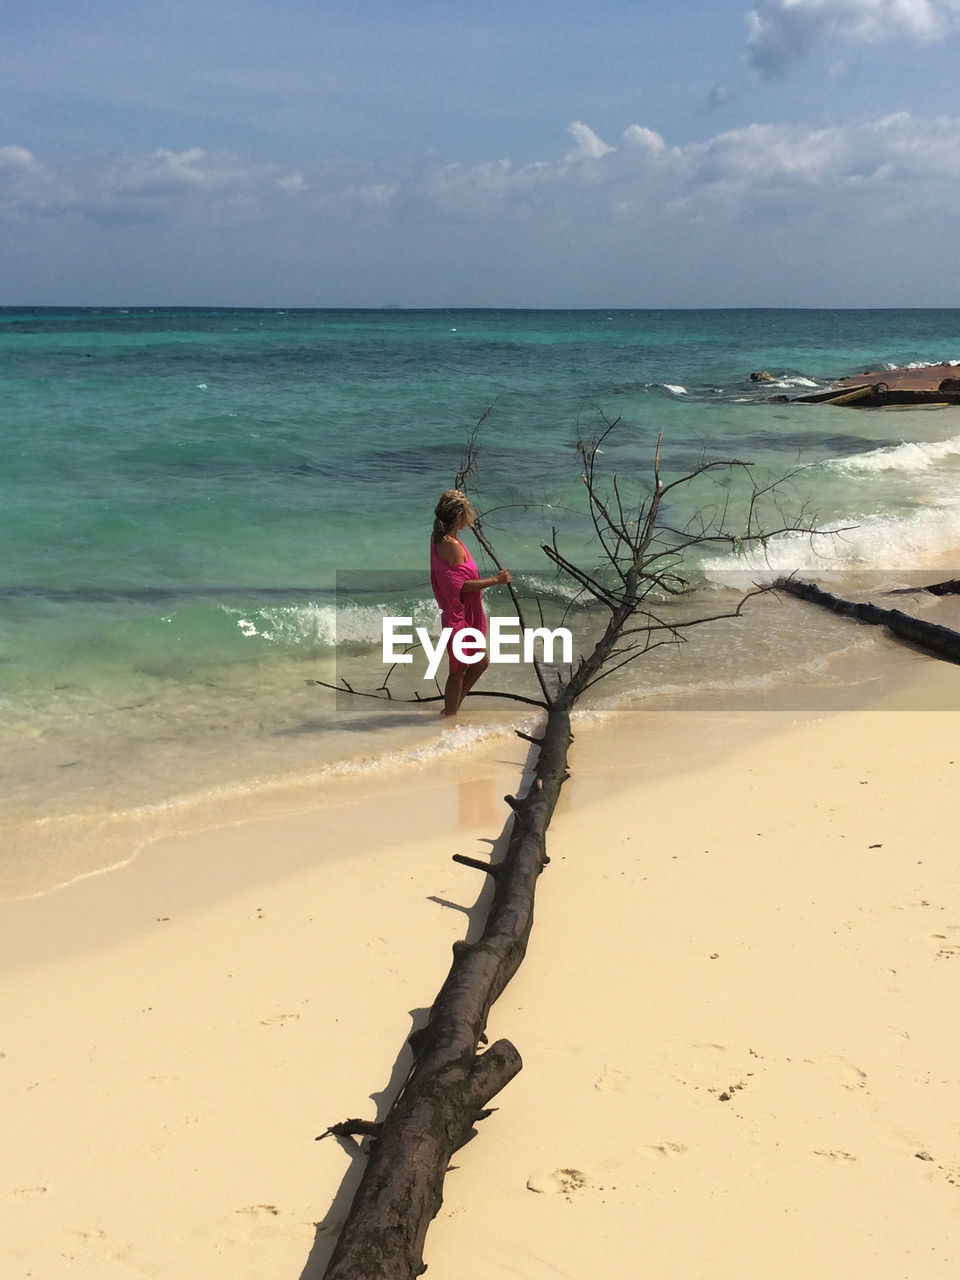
458,609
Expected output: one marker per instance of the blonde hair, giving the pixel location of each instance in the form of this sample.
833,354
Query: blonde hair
452,505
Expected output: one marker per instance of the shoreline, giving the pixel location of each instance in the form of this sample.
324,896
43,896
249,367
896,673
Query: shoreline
183,1027
838,664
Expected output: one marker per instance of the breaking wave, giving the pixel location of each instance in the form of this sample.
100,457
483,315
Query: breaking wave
906,456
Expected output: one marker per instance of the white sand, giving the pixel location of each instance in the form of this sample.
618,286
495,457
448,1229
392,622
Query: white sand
737,1017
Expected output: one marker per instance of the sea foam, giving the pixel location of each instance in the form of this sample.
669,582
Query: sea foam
906,456
328,625
877,542
796,381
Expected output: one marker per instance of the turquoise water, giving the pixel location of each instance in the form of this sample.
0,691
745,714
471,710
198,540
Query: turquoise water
180,488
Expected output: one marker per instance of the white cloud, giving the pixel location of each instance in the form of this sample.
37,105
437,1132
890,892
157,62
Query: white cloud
910,156
166,173
293,182
782,32
580,229
644,139
588,144
13,158
641,172
795,164
130,188
26,185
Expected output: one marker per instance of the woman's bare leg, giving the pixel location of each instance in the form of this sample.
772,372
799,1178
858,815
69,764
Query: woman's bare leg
459,683
473,674
453,693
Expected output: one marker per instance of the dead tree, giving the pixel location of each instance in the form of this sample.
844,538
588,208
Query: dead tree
942,641
452,1078
948,588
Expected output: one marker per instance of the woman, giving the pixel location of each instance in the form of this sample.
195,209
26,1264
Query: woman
457,586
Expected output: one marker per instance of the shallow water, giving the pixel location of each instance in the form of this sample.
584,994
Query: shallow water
183,491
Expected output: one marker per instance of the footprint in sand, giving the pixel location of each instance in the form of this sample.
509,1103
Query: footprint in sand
610,1080
835,1155
92,1248
93,1237
890,980
661,1150
559,1182
252,1222
697,1064
839,1069
27,1193
952,1175
947,942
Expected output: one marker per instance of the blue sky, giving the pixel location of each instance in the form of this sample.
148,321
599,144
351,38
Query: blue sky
325,153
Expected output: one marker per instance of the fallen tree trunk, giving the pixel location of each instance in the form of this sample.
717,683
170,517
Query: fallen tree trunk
450,1081
938,640
950,588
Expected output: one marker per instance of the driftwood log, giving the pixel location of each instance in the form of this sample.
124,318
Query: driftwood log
942,641
452,1077
949,588
451,1081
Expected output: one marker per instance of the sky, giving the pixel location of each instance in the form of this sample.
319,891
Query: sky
438,153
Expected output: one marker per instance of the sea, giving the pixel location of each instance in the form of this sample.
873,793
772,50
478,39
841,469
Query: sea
206,515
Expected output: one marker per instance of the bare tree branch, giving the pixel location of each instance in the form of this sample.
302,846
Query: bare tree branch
452,1076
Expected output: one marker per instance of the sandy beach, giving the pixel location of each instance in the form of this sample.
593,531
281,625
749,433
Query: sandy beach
737,1013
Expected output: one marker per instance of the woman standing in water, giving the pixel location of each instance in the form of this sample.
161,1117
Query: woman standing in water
457,586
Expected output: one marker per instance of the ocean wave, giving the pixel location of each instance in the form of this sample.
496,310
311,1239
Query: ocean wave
325,626
906,456
881,542
331,625
674,388
566,590
453,741
797,380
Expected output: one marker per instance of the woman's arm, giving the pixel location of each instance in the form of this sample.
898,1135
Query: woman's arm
481,584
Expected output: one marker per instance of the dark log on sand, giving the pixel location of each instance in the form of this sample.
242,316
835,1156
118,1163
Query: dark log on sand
938,640
949,588
451,1082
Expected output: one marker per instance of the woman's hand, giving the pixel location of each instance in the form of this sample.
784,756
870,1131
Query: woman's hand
481,584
